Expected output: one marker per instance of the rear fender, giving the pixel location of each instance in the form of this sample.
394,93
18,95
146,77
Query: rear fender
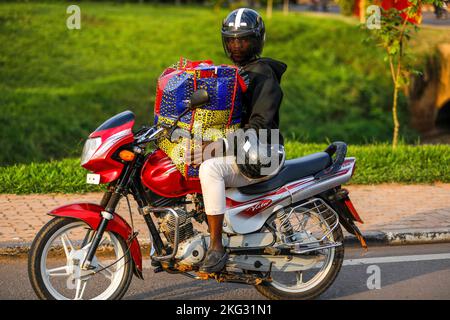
338,199
91,214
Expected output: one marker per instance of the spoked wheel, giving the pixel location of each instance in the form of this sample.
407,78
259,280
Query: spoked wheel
318,277
56,257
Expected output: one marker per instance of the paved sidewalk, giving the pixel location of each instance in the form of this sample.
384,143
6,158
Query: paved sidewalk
383,208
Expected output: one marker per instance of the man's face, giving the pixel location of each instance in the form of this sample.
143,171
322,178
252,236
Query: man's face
239,48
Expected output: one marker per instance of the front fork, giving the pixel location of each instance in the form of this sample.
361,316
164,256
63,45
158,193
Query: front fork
106,196
110,201
107,215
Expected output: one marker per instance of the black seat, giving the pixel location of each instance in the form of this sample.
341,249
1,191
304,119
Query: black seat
292,170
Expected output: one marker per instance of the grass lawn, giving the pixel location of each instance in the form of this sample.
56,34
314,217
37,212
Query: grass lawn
57,85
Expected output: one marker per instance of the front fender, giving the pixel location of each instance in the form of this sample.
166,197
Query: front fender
91,214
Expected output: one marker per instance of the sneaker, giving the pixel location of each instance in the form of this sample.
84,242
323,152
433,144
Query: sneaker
214,262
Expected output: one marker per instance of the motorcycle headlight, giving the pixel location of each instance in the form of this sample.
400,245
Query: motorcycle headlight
89,149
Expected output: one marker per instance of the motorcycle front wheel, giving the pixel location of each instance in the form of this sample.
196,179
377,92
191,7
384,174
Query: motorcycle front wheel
59,251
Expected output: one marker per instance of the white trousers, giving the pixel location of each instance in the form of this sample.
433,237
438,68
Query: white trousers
216,174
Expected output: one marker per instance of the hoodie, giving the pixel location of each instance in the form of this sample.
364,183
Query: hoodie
263,97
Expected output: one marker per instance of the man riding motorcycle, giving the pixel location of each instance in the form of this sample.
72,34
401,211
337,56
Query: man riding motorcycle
283,235
243,37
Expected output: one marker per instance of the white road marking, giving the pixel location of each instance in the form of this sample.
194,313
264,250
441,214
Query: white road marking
376,260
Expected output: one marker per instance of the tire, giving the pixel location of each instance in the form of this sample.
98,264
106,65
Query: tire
42,239
269,291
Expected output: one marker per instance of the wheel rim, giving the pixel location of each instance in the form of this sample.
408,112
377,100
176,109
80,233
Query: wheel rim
324,265
69,278
301,286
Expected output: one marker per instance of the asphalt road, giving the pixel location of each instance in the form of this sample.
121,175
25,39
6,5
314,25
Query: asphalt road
406,272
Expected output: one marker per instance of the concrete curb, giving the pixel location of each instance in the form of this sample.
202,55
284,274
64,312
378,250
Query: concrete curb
9,249
402,237
374,238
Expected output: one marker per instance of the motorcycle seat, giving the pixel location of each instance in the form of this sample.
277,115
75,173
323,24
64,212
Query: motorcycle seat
292,170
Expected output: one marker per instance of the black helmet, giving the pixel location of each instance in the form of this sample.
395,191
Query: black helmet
242,24
255,159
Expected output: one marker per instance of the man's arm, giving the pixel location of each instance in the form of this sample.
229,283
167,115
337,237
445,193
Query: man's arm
266,101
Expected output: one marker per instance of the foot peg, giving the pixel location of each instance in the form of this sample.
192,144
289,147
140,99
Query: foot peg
157,266
155,263
158,269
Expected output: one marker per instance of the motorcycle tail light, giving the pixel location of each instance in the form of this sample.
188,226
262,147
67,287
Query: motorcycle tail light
89,149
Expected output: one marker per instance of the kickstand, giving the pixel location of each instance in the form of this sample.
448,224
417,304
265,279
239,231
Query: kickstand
267,276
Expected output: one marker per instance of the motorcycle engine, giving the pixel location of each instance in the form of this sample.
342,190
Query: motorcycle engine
167,225
191,245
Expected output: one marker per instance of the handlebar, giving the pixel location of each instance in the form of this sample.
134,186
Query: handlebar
153,132
149,134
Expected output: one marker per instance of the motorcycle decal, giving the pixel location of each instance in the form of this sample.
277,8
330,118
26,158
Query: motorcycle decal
255,209
113,140
233,203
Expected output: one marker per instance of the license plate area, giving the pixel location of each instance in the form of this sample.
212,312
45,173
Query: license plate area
92,178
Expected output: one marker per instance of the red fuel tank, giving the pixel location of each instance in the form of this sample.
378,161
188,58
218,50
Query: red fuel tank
160,175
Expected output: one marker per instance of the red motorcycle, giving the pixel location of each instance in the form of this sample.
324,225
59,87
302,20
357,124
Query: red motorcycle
283,235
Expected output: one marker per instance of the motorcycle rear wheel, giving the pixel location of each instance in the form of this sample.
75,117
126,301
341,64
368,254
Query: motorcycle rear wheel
64,282
318,284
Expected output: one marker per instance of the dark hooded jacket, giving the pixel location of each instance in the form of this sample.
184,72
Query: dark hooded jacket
263,97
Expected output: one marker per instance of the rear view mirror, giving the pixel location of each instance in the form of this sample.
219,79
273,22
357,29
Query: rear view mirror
199,98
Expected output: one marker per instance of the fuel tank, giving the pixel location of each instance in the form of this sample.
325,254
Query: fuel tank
161,176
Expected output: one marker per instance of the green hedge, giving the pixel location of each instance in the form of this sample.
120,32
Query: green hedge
380,163
375,164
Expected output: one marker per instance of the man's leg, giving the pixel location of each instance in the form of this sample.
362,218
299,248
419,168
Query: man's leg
215,175
215,231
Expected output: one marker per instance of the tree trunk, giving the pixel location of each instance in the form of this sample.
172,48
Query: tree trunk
286,7
269,9
395,72
395,118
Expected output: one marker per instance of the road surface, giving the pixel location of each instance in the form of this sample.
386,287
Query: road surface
405,272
